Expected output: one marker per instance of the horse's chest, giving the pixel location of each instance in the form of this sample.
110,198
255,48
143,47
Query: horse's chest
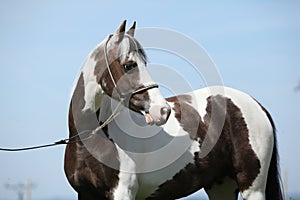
147,164
150,182
147,177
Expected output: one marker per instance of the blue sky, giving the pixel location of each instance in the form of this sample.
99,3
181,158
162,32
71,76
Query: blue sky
255,46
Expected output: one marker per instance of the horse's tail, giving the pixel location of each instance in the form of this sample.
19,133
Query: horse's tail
274,187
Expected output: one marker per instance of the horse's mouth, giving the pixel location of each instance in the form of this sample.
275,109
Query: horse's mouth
152,115
149,119
143,118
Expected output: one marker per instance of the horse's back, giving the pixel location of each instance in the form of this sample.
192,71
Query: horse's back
255,116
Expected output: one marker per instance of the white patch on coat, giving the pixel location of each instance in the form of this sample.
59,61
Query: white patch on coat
92,90
155,96
127,184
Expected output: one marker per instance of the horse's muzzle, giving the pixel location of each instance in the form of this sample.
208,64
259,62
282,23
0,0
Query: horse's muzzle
158,115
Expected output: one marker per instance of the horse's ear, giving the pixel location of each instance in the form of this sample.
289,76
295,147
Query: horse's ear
121,30
132,29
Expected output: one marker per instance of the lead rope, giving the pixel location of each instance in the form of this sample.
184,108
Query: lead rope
114,115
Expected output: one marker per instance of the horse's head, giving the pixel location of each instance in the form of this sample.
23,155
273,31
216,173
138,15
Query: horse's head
122,74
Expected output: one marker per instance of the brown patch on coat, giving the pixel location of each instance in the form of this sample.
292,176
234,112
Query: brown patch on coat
232,156
245,161
188,117
86,174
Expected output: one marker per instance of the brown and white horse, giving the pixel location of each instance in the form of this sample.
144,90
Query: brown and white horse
132,143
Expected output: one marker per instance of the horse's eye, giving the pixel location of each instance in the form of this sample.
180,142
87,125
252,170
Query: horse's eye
130,65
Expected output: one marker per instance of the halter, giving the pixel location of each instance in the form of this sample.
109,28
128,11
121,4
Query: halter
124,96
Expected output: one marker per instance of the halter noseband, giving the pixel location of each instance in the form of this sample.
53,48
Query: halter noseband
124,96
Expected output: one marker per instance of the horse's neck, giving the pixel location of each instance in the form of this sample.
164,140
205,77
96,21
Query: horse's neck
93,93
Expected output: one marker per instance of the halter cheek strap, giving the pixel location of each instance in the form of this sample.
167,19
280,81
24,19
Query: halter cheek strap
106,60
123,96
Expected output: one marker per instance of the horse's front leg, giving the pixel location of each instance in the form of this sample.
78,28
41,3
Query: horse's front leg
127,186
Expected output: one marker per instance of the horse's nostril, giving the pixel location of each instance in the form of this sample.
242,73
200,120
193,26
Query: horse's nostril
165,112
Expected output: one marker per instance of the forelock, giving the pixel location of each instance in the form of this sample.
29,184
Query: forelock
130,44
